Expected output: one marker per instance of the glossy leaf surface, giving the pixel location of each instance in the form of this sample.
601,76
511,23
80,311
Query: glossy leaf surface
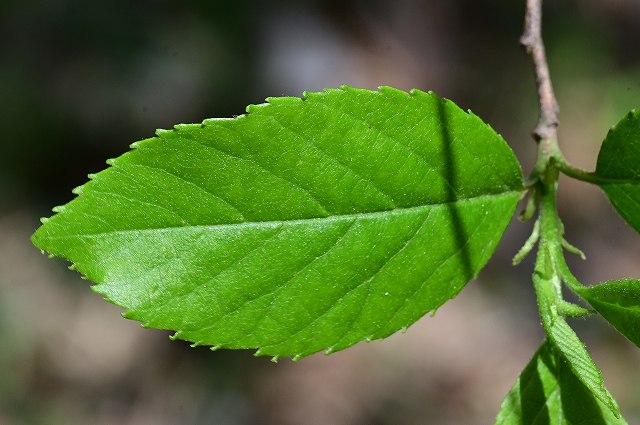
618,302
548,393
619,159
305,225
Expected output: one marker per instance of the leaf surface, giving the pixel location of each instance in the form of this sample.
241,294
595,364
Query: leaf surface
618,302
306,225
569,346
619,159
549,393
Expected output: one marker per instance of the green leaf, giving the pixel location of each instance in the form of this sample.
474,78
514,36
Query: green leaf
619,159
306,225
548,392
569,346
618,302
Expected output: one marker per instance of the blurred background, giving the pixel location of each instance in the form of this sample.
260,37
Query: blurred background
80,81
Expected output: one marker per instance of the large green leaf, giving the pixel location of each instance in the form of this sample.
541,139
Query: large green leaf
548,393
618,302
305,225
619,159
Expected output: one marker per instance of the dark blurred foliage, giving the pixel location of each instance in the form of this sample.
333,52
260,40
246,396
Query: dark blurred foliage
80,81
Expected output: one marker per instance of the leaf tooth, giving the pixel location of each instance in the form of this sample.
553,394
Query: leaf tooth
348,89
72,267
296,358
196,344
277,101
163,132
275,359
392,91
141,143
215,347
111,161
43,220
306,95
58,209
213,121
259,352
330,350
369,338
175,336
418,92
127,314
77,190
183,127
330,90
253,109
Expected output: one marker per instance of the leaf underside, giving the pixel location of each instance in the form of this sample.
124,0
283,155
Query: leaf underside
306,225
619,158
567,345
549,393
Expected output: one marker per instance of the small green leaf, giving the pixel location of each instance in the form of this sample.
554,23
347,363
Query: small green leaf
548,392
569,346
305,225
619,159
618,302
535,397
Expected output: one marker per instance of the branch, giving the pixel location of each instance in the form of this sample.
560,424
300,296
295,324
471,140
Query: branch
531,40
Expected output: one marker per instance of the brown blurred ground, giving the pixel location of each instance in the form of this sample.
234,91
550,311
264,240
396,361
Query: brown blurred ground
80,81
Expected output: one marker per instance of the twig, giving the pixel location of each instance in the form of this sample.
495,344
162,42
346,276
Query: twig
531,40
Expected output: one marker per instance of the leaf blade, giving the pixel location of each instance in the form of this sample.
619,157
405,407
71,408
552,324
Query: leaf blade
618,301
619,159
548,392
569,346
292,229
